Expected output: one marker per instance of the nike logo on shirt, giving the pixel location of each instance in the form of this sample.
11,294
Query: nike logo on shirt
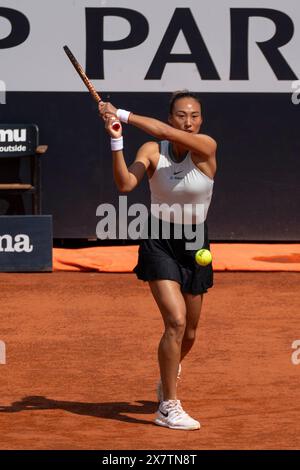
176,172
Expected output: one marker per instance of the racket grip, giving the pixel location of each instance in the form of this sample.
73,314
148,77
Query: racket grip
116,126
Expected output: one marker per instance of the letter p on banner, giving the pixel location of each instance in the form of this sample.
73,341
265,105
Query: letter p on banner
2,353
2,92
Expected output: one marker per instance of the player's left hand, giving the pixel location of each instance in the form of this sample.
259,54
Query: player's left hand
107,109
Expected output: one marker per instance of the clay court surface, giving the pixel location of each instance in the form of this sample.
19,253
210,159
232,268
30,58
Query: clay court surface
81,365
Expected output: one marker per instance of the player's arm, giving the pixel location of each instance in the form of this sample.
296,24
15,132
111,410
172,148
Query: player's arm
128,178
200,144
137,170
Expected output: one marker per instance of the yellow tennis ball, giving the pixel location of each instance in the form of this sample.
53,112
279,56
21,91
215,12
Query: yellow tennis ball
203,257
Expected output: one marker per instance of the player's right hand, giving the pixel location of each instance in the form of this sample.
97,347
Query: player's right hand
109,121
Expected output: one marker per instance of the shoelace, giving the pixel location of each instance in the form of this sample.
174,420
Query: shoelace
174,407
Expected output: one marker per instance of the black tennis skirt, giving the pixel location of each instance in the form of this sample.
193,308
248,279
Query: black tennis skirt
161,258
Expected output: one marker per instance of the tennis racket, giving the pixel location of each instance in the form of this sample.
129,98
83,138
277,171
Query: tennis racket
87,82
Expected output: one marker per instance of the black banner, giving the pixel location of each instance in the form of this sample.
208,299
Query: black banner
18,139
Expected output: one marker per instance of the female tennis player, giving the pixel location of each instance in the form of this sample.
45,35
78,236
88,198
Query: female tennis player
181,169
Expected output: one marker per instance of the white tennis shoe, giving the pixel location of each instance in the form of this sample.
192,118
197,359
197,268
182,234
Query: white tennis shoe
159,388
171,415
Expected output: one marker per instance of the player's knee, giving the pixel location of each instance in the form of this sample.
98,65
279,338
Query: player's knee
190,335
176,325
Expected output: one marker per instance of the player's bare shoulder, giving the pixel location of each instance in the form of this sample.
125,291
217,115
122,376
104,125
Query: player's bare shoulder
208,165
149,153
210,142
148,149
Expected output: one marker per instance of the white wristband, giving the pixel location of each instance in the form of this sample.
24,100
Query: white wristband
116,144
123,115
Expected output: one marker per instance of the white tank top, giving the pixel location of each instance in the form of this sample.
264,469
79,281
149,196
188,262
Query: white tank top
181,185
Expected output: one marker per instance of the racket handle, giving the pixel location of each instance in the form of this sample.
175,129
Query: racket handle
116,126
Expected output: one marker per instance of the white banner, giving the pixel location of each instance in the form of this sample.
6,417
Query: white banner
216,46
